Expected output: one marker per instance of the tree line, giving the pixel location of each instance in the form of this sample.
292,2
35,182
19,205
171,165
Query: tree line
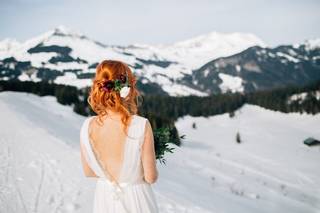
165,110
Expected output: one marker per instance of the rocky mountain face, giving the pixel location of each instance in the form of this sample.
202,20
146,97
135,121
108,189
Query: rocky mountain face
258,68
212,63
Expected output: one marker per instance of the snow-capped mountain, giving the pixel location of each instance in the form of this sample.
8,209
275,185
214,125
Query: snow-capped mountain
258,68
7,45
197,51
66,57
271,170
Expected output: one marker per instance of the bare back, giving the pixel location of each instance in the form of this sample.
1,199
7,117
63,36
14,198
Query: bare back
106,151
108,142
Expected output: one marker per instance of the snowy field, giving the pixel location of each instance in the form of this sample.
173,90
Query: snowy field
271,170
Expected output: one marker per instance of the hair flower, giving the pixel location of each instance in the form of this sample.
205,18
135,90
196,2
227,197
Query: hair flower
124,91
108,85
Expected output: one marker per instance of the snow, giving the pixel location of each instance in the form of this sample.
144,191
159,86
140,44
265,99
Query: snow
71,79
66,66
195,52
313,43
288,57
184,56
238,68
5,78
24,77
302,96
38,59
204,48
272,55
86,49
61,29
270,170
181,90
8,44
40,169
232,83
206,72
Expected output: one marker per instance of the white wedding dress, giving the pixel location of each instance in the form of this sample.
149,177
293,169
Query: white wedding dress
134,194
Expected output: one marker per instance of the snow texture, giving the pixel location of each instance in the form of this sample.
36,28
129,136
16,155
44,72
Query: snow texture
232,83
271,170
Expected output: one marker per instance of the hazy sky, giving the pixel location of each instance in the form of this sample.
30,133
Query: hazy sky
162,21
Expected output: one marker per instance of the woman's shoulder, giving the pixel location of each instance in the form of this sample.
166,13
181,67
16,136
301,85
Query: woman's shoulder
86,120
136,119
140,118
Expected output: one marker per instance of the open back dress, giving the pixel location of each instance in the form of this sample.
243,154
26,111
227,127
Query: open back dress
132,194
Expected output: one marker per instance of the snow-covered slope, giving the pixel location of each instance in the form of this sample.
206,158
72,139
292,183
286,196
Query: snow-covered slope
81,47
257,68
7,45
40,169
312,43
66,56
195,52
269,171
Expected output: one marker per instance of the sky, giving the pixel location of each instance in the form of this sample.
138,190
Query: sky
124,22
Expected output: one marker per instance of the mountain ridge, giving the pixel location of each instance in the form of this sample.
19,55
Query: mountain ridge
68,57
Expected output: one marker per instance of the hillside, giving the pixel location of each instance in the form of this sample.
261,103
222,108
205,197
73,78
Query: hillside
258,69
270,170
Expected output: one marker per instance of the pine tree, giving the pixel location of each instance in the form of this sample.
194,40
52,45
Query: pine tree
238,139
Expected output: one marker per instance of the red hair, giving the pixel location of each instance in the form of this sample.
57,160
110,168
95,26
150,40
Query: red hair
101,100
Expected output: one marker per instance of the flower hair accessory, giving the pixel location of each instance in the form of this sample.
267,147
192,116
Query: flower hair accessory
120,85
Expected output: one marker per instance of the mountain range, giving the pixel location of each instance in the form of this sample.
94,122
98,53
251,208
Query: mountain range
207,64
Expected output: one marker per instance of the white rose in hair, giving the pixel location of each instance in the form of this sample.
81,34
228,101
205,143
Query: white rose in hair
124,91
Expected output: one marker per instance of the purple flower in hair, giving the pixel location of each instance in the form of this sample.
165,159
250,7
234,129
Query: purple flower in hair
108,85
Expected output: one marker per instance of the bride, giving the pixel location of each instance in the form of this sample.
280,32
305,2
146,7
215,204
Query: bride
117,145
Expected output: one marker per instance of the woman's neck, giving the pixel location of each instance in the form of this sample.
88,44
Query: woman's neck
112,113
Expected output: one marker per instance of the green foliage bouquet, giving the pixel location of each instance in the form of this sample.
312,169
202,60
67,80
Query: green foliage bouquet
162,137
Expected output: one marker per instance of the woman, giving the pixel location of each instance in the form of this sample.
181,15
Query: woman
117,145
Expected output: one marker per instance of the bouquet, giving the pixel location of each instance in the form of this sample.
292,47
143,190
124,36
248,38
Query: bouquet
162,137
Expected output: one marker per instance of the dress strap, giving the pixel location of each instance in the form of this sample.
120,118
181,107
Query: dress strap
88,152
143,125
